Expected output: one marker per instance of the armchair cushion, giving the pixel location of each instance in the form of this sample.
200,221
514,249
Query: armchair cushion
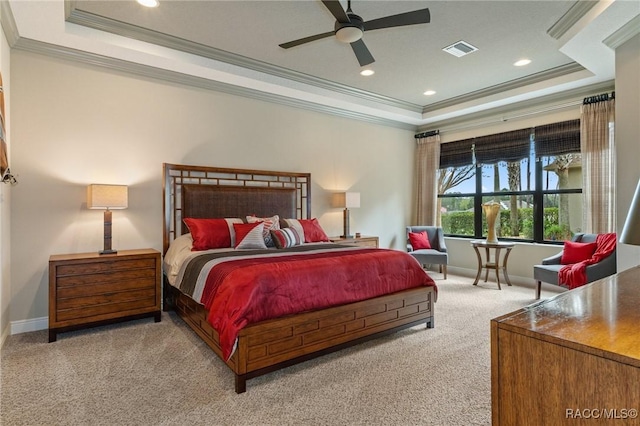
574,252
419,240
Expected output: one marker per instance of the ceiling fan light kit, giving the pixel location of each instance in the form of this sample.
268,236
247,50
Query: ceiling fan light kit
349,28
349,34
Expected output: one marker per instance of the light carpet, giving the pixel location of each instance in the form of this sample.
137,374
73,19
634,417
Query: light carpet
146,373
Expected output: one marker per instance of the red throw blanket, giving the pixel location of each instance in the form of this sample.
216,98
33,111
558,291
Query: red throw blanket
246,290
575,275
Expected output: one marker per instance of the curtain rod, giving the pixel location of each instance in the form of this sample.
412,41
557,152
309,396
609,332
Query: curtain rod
598,98
427,134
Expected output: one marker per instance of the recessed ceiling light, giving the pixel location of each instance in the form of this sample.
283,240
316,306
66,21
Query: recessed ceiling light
149,3
367,72
522,62
430,92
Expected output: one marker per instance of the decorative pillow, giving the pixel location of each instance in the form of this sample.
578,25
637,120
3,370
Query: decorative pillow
249,235
285,238
309,230
211,233
419,240
270,224
577,252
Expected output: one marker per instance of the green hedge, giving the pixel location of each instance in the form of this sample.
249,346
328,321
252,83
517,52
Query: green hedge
461,223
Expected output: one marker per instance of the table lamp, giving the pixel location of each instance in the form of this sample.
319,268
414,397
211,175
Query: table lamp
631,230
107,197
348,200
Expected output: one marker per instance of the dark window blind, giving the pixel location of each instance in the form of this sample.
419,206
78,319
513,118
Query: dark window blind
456,154
507,146
557,138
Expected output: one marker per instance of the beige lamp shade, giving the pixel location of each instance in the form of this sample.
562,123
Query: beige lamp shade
107,196
348,200
631,230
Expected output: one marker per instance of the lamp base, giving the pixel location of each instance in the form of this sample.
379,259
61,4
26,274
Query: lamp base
346,236
101,252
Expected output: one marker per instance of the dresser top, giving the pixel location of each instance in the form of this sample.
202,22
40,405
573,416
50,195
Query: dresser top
602,317
96,255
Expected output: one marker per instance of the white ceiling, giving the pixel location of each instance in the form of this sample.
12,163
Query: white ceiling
233,45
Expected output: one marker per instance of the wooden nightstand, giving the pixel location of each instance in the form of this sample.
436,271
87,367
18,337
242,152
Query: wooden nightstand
88,289
364,241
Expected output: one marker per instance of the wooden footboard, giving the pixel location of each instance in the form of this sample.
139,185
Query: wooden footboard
273,344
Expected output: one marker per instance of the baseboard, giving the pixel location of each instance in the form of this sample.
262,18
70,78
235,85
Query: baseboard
471,273
25,326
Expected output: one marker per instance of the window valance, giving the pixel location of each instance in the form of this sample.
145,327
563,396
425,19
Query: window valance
557,138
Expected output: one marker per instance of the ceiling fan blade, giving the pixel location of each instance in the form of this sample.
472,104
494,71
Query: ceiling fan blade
421,16
306,40
337,11
362,53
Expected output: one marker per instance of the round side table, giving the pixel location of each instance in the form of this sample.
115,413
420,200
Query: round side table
488,264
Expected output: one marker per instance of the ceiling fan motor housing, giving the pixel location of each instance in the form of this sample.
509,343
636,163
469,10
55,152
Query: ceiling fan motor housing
348,32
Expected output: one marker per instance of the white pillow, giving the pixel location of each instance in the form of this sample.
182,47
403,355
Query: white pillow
178,250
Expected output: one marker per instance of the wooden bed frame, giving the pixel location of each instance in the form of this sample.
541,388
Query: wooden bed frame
195,191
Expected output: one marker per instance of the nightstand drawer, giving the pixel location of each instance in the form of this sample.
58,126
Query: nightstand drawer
122,278
94,312
107,286
104,266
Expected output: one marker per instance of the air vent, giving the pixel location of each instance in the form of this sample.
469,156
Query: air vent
460,48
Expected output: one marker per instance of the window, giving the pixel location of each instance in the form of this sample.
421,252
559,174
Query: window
535,174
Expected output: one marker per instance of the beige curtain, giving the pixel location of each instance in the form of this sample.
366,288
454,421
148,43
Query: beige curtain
427,163
597,146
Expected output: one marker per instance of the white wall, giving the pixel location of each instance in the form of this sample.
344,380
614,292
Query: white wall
76,124
5,198
627,139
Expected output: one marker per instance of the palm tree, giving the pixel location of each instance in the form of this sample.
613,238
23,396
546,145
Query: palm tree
513,169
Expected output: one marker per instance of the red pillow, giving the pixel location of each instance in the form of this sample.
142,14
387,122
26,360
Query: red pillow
309,229
419,240
577,252
210,233
313,232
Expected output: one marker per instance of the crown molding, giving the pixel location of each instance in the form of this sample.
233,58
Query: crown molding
569,19
624,34
506,86
570,99
147,71
123,29
8,23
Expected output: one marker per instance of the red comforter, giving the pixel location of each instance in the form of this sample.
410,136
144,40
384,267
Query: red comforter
242,289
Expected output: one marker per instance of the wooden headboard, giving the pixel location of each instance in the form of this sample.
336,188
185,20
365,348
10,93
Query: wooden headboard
214,192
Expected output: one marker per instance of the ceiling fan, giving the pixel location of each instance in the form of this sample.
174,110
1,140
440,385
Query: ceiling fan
349,28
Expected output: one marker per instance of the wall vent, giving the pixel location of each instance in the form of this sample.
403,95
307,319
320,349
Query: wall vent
460,48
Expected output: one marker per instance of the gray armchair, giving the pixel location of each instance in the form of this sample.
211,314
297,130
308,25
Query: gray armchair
548,271
437,254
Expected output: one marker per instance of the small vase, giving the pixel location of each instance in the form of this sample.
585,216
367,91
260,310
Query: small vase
491,211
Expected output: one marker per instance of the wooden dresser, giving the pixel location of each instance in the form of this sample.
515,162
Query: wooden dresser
364,241
573,359
88,289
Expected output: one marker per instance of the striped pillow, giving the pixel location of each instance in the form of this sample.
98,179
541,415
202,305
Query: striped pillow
285,237
270,223
249,235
